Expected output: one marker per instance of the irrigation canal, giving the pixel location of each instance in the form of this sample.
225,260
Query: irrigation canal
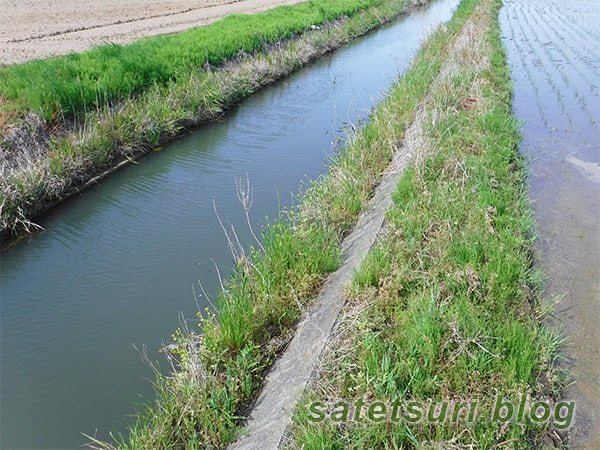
117,263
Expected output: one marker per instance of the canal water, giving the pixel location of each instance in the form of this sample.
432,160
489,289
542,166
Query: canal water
554,52
117,263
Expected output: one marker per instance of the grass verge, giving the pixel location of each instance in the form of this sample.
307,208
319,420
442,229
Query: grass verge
42,162
447,305
220,368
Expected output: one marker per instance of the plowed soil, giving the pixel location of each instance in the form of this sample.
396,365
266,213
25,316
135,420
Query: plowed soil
33,29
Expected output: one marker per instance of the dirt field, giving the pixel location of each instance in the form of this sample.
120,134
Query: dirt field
33,29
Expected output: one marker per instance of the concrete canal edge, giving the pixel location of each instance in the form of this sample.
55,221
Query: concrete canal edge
289,376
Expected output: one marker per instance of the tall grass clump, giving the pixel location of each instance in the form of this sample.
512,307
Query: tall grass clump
75,83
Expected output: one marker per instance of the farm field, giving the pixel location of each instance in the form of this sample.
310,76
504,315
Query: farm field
41,29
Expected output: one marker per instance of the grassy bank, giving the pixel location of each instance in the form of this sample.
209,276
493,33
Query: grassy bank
72,84
447,306
222,365
43,161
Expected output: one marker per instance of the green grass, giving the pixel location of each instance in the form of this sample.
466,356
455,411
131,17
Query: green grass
222,364
76,83
449,304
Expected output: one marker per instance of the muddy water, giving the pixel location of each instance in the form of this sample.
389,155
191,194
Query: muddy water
118,262
554,53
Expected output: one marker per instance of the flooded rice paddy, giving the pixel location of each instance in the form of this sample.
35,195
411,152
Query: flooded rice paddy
554,53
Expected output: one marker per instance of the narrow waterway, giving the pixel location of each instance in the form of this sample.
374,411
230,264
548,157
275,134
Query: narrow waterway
117,263
554,53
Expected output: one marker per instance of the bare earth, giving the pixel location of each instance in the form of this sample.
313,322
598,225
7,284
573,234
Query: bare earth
33,29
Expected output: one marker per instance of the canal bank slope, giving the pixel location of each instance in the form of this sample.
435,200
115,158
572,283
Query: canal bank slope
70,121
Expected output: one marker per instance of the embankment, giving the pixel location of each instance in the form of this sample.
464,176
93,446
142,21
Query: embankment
447,307
74,117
